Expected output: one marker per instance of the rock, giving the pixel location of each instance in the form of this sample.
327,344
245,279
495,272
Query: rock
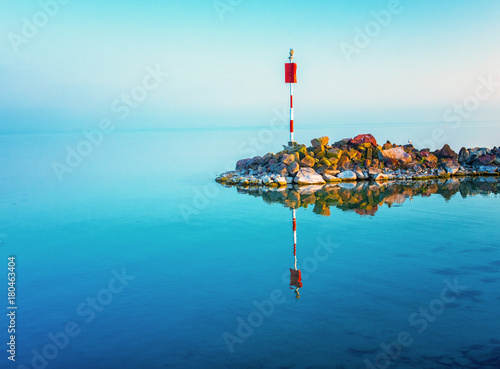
320,154
364,147
307,176
293,168
387,145
476,153
256,160
463,155
282,170
331,178
359,174
334,155
322,141
394,153
380,177
446,152
487,169
318,149
243,163
344,162
484,160
254,181
288,159
332,172
372,172
442,173
302,151
321,169
451,167
324,161
353,154
273,166
428,159
307,161
362,139
347,175
281,180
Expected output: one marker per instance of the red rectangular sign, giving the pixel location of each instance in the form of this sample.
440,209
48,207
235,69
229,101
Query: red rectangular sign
290,72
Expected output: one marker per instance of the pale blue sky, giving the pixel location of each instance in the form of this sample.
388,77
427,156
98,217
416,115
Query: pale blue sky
226,68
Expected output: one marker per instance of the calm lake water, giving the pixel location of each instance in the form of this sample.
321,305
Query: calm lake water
136,258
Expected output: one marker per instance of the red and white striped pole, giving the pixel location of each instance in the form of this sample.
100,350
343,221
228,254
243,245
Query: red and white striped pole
291,113
291,77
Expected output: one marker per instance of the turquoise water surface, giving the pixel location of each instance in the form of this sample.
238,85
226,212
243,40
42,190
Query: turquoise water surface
136,258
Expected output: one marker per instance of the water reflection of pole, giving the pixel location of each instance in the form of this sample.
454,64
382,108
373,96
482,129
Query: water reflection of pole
295,275
294,227
294,222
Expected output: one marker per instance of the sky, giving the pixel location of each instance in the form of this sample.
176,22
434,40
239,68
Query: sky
65,65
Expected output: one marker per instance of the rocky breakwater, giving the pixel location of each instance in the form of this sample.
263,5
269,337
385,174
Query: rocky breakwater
358,159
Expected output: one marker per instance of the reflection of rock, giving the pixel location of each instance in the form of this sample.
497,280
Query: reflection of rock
380,177
366,198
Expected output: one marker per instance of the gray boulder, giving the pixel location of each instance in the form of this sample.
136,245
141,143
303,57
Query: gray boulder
347,175
308,176
463,155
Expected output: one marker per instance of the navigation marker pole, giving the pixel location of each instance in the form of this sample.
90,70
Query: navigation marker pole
291,78
291,113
